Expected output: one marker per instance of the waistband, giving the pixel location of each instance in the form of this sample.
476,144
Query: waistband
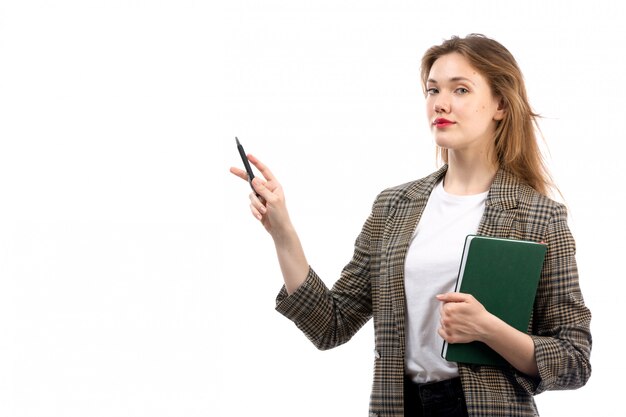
432,392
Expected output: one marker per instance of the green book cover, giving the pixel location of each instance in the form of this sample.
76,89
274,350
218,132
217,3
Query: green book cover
502,274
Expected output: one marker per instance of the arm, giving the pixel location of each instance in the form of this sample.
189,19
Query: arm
330,318
561,320
271,211
557,352
327,317
464,320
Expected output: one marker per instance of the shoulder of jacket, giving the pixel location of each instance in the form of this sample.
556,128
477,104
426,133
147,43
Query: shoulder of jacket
509,192
529,197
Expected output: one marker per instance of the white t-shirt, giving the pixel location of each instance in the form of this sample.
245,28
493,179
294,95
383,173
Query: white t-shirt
431,268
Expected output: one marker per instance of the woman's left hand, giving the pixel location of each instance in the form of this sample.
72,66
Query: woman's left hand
463,318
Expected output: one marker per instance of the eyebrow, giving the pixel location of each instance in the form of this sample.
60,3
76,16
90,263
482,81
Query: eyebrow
453,79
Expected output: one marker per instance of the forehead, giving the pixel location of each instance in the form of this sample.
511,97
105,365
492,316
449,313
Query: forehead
452,67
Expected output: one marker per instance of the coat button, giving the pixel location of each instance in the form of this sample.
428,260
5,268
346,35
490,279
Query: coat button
376,354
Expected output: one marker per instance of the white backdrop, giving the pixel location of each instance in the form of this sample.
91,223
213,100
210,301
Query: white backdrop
134,281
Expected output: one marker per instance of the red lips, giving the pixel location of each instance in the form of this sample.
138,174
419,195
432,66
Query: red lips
441,122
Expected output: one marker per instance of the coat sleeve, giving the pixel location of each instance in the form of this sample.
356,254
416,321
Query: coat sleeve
561,320
330,318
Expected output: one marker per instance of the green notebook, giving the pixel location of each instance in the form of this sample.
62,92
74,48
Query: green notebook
503,275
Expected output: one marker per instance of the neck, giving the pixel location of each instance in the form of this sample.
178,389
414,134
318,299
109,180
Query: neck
467,176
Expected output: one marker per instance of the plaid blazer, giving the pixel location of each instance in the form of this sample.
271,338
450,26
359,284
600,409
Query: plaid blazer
372,285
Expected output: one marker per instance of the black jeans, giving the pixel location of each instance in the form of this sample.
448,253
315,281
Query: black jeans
434,399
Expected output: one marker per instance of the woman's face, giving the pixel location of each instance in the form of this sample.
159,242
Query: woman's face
460,106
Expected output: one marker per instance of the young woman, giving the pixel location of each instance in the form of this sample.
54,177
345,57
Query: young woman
406,258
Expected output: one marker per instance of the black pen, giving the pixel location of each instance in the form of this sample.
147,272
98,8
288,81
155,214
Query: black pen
246,163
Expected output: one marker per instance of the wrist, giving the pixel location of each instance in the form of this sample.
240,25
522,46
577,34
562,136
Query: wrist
284,236
490,328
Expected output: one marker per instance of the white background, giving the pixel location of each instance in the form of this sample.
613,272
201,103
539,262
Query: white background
133,279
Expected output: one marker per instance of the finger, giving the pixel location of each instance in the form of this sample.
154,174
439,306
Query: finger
255,212
448,311
443,310
444,335
452,297
257,203
259,187
263,169
239,173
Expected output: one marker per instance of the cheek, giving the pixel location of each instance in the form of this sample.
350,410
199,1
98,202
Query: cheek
428,106
481,108
430,112
482,115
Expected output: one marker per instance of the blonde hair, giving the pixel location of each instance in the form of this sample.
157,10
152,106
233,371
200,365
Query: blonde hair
515,141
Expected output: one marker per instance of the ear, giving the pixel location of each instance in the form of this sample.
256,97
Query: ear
500,111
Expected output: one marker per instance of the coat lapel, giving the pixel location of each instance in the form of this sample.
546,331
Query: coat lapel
398,232
500,207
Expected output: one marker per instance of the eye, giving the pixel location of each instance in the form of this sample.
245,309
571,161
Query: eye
462,90
432,90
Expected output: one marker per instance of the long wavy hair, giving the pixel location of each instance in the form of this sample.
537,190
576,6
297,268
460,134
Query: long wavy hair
515,141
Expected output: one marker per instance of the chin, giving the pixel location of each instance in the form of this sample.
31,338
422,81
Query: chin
444,143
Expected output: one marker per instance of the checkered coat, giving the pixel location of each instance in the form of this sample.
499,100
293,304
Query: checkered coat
372,285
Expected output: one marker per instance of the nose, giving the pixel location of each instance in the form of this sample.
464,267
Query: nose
441,105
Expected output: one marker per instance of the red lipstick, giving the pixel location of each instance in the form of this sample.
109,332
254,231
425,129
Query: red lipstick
441,122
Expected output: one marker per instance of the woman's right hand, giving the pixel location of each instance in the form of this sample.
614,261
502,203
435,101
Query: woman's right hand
267,204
